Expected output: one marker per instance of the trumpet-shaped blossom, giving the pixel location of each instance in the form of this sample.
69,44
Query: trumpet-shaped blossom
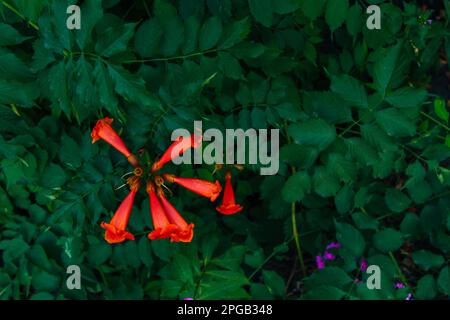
103,130
163,228
177,148
184,232
204,188
228,205
115,229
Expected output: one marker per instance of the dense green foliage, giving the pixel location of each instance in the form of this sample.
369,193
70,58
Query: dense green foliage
365,146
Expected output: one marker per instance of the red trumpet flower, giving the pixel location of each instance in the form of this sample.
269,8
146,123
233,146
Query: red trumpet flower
163,228
115,229
103,130
202,187
177,148
185,232
228,205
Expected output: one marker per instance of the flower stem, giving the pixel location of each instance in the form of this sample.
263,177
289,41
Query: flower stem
297,240
399,271
172,58
295,232
435,121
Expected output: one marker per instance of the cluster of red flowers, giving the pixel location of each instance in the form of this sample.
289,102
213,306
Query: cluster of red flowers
167,221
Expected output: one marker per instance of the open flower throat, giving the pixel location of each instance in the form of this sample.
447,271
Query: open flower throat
167,221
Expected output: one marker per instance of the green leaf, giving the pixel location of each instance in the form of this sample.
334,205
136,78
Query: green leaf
327,105
355,20
13,249
340,166
427,260
350,89
426,288
262,10
234,33
42,56
44,281
13,171
38,215
145,252
91,11
430,218
182,267
300,156
217,289
384,68
42,296
286,6
236,277
274,282
31,9
387,240
410,226
58,90
70,152
325,183
52,26
296,187
210,33
365,221
115,39
336,13
314,132
192,27
407,97
231,259
148,38
350,239
396,200
344,199
440,109
230,67
324,293
10,36
53,176
22,94
173,28
132,87
395,123
332,276
99,252
84,94
313,8
416,172
444,281
104,87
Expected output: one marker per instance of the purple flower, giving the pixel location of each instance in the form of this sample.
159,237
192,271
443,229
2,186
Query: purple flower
399,285
320,263
429,21
363,265
409,296
329,256
333,245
